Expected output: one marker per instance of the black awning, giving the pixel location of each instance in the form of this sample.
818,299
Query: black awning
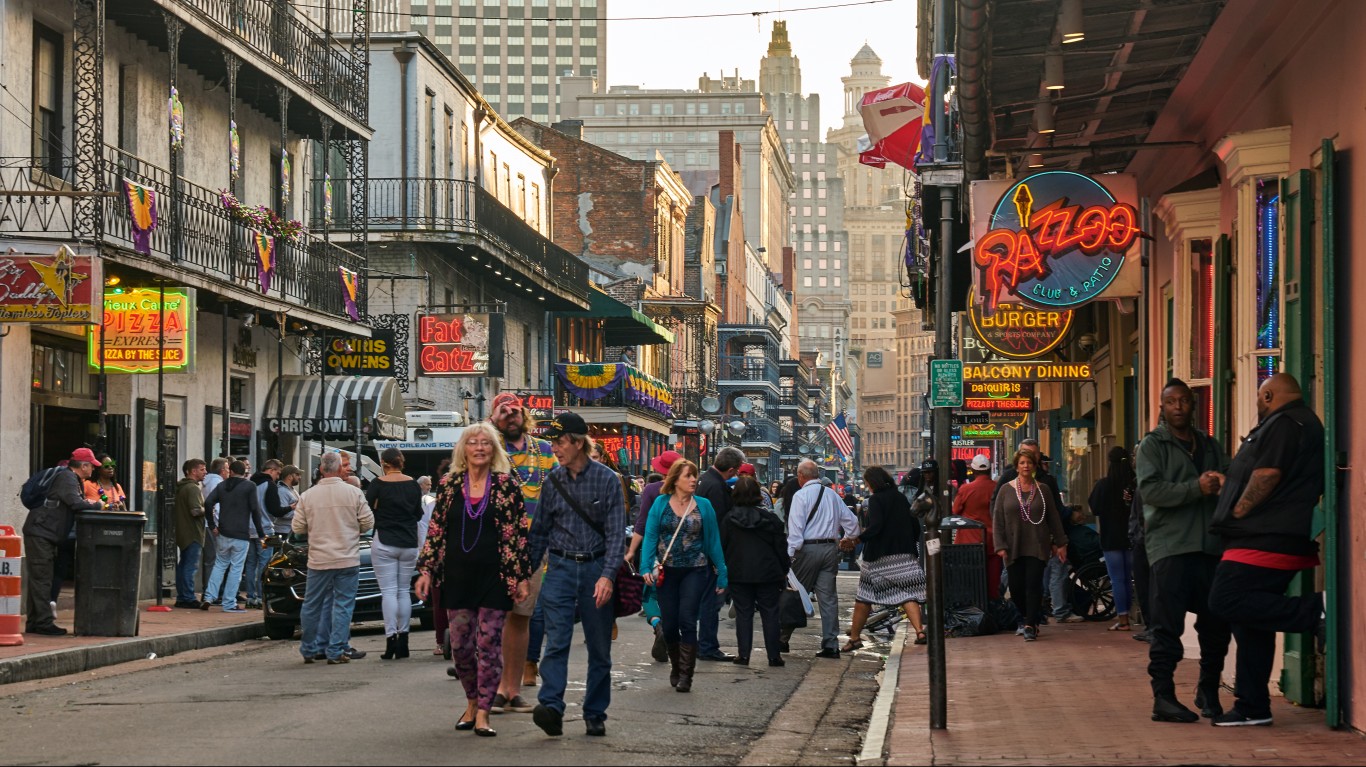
293,407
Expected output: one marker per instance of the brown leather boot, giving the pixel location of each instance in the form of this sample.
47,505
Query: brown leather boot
675,663
529,673
687,660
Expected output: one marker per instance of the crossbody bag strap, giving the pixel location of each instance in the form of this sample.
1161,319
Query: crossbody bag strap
816,507
574,504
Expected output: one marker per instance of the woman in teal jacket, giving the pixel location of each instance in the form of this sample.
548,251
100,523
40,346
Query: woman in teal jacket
682,545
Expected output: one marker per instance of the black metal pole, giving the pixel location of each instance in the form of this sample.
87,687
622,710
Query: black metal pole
227,417
162,543
102,444
322,391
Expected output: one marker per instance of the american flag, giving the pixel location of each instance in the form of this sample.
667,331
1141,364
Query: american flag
838,430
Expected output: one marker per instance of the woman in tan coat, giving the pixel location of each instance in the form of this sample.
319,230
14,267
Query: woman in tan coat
1027,530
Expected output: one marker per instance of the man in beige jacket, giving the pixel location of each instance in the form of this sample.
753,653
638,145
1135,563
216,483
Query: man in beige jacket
333,514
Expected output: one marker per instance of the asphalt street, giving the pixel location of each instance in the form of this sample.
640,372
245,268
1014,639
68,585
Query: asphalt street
258,703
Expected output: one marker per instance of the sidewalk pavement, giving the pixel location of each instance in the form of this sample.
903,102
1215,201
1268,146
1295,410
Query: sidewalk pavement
1080,695
162,633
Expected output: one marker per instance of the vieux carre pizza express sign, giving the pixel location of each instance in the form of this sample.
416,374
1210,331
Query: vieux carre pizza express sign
1054,240
460,345
134,340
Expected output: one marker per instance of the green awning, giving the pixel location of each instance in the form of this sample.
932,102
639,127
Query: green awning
623,325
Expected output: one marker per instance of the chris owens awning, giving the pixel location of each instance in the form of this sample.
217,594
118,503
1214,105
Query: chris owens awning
622,325
292,407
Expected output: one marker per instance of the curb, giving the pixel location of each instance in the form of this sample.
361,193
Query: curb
880,721
75,660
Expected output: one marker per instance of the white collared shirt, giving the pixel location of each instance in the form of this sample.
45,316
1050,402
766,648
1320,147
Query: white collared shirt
832,517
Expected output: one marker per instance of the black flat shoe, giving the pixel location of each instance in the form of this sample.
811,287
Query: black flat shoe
485,732
464,726
740,661
777,662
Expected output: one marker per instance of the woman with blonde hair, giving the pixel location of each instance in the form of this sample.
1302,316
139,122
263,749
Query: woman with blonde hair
477,553
682,546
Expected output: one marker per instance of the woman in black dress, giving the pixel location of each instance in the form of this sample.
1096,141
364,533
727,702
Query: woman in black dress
397,501
477,551
891,573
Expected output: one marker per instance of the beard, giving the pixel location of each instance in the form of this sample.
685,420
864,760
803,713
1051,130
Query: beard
511,431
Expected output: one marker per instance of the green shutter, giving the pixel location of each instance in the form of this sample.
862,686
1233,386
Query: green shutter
1297,674
1329,509
1222,369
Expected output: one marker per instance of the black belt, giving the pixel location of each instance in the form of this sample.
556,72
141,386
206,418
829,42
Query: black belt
578,556
821,540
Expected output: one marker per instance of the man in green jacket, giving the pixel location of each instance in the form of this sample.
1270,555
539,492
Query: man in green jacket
1180,470
189,530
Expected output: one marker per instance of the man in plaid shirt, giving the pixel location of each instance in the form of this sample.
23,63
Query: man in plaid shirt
585,546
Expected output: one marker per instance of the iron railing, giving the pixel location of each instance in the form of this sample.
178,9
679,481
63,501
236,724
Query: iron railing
295,46
746,368
618,396
761,430
210,239
442,205
794,396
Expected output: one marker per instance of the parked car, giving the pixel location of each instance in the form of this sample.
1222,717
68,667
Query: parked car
286,576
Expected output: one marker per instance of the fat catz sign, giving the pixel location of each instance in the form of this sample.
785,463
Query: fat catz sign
1054,240
460,345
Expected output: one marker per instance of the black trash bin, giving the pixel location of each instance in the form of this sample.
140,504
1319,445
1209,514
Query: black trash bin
108,568
965,567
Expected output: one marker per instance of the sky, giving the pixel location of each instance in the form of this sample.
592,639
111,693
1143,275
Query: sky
674,53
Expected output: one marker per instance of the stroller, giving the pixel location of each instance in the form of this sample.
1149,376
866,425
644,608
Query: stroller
1093,596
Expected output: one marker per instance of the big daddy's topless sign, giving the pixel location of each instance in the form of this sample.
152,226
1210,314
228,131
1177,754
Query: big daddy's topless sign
1055,240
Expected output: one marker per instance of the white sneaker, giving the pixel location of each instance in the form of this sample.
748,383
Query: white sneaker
1019,632
1071,618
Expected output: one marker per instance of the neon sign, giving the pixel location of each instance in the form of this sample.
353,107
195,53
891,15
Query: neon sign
133,338
460,345
1056,239
1020,332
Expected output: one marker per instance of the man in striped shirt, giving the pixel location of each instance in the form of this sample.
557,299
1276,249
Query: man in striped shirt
524,630
581,524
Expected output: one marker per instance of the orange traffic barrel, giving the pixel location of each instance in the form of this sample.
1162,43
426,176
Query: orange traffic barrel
11,622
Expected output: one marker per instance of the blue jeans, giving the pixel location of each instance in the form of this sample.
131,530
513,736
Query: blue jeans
708,619
1120,564
680,596
536,634
329,601
569,586
229,558
185,570
1055,577
257,558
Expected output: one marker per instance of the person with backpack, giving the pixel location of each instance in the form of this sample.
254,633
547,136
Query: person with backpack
46,527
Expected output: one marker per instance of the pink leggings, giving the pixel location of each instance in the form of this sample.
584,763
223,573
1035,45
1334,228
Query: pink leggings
477,652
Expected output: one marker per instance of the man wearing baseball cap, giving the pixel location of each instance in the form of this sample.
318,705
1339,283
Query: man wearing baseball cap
974,502
532,459
581,525
46,527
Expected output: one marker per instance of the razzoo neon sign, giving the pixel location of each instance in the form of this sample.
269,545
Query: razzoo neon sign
1055,240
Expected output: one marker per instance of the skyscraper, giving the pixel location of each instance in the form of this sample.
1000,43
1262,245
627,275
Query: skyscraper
516,51
816,205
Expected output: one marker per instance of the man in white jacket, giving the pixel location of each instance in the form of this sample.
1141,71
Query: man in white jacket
333,514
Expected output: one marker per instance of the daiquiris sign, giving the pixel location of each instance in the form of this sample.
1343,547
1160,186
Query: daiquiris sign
1054,240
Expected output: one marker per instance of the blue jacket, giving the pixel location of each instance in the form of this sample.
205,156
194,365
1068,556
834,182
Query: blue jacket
711,537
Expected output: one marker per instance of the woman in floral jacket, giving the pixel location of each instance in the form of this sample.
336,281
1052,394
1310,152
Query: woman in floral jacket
477,553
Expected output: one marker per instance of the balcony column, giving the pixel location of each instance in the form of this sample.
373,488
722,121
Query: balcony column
87,54
232,63
174,28
284,96
327,164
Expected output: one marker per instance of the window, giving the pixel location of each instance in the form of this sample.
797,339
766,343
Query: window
837,281
824,264
692,110
820,210
820,193
635,109
806,246
1268,278
838,264
821,246
806,263
806,282
48,50
703,108
725,108
1202,308
656,108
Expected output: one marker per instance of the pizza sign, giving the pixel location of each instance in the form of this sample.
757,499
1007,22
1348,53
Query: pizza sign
1054,240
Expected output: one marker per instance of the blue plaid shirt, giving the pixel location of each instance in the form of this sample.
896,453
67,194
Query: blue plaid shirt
557,526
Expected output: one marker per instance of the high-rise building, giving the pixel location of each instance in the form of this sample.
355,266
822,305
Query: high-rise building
875,217
516,51
816,205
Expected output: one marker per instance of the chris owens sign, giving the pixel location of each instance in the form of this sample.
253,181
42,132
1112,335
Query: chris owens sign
460,345
1055,239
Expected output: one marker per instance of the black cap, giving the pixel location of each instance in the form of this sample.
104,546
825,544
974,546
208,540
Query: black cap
566,423
929,465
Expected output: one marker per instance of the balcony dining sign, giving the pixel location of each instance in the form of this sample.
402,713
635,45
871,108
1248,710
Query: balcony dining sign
465,344
1055,240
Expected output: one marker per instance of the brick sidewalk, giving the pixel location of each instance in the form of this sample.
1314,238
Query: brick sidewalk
1080,695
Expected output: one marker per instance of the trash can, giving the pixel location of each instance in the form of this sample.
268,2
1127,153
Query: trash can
965,567
108,568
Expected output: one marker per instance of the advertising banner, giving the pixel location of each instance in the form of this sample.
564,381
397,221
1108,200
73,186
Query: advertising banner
464,344
1027,371
1019,332
54,288
357,356
1055,240
133,341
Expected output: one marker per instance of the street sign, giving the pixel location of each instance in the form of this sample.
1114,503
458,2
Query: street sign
946,383
961,419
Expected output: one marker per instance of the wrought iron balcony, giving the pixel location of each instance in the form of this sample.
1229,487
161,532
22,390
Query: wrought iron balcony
294,45
630,388
748,369
761,430
688,402
442,206
211,241
794,396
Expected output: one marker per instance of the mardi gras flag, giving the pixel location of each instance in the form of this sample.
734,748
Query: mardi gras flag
590,382
350,283
263,245
142,212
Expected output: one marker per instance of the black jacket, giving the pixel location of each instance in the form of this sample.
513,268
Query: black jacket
54,520
272,503
755,546
713,487
398,509
891,527
238,509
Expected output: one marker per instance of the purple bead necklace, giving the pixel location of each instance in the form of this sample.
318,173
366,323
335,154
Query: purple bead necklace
473,511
